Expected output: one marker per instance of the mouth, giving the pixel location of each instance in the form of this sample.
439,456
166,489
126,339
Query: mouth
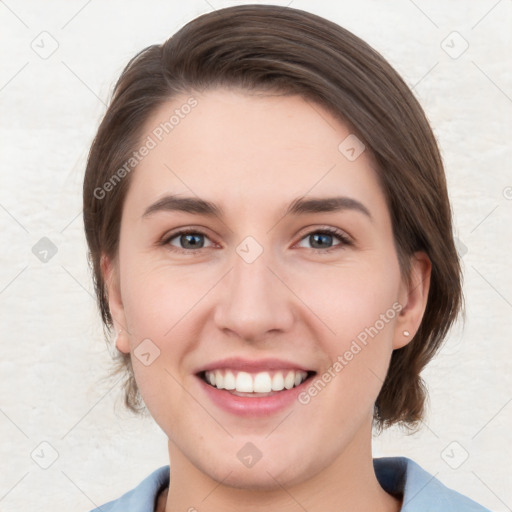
255,384
253,388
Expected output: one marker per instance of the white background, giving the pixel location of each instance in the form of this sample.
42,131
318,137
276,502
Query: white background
53,356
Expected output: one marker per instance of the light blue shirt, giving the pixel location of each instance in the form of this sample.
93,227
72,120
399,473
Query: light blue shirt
421,491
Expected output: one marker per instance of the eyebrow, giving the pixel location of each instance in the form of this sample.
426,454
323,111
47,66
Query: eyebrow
299,206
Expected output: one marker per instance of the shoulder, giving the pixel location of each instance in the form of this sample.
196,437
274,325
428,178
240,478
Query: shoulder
141,498
422,492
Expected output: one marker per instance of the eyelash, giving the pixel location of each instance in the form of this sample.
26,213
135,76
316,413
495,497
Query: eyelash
344,239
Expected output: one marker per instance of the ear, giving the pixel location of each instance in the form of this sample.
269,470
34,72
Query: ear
413,298
111,278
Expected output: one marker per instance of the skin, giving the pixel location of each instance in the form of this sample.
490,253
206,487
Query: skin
253,155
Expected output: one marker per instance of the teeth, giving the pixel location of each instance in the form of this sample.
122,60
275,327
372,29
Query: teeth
278,382
289,380
229,380
262,382
219,380
244,382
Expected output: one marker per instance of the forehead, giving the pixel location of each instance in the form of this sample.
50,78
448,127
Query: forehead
249,151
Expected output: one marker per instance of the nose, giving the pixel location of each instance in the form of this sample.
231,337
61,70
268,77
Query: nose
254,299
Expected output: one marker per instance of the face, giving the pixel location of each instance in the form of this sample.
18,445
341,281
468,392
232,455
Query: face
283,292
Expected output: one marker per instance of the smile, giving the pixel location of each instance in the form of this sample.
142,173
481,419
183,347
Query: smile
255,383
252,395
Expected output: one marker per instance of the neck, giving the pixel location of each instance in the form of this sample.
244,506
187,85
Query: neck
347,484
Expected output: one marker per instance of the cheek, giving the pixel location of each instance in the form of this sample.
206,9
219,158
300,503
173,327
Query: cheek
156,309
352,298
358,308
161,304
155,297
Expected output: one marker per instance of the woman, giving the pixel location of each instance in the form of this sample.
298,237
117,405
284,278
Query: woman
271,239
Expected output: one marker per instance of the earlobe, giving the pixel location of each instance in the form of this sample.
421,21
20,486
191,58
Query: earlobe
121,342
115,303
414,300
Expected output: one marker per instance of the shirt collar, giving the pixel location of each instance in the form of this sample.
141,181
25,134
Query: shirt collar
421,491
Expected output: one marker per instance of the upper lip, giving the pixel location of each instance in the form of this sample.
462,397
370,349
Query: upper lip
238,363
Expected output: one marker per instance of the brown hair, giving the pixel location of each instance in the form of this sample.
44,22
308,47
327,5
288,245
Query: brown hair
290,51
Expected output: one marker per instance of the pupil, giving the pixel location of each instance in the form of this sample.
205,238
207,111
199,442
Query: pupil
190,243
322,237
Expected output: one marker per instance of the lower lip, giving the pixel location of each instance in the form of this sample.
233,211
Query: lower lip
252,406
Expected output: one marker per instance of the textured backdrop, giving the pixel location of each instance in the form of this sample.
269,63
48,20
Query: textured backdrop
67,443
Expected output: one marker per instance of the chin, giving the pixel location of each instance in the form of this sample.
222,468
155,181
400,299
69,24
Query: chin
262,479
266,474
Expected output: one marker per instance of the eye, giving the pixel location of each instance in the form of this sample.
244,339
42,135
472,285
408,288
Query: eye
188,240
324,236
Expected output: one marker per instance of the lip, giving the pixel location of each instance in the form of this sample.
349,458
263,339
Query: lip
253,406
252,366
